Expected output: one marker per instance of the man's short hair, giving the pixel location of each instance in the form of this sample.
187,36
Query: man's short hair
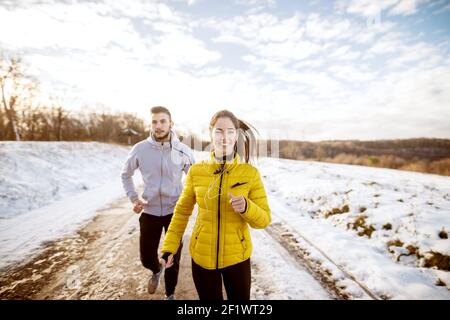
160,109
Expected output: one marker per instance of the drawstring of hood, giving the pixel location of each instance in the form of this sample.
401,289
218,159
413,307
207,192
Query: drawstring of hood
173,144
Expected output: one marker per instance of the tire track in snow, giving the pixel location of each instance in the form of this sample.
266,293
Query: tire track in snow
277,275
307,253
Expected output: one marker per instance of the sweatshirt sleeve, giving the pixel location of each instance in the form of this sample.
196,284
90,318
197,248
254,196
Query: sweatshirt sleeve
190,160
128,170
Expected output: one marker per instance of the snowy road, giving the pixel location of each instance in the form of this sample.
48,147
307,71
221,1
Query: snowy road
101,261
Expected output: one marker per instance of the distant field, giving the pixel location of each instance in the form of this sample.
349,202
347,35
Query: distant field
421,155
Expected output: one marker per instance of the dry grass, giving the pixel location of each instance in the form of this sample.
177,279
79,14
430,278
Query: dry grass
387,226
359,224
412,250
335,211
437,260
440,283
394,243
438,167
432,259
441,167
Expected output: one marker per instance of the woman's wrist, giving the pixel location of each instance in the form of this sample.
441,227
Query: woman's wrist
245,206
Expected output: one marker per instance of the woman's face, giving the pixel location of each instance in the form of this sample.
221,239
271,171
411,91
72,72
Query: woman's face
223,136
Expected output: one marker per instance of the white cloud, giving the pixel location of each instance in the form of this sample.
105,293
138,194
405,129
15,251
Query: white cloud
368,33
257,5
371,8
352,73
133,9
314,62
178,49
62,26
283,30
406,7
320,28
366,8
444,9
289,51
188,2
417,52
329,74
256,28
255,2
345,53
270,38
231,39
88,27
385,46
397,53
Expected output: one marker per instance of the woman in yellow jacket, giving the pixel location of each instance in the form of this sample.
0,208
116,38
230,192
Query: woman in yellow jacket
230,197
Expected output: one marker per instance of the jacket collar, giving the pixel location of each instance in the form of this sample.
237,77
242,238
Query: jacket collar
220,166
167,144
236,159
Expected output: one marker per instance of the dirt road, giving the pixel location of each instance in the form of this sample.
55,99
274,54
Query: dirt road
101,261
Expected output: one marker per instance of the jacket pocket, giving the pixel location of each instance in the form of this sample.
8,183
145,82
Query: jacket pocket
196,234
238,184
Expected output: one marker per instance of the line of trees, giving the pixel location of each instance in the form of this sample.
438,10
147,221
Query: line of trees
23,118
56,123
407,149
421,154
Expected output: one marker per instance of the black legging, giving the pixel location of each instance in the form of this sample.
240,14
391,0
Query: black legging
236,279
151,228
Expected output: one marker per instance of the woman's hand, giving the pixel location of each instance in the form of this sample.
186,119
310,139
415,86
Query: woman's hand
166,259
238,203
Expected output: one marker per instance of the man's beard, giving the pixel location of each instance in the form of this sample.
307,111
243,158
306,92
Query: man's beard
158,138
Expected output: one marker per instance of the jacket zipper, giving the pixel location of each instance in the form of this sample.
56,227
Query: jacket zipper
160,180
218,220
242,239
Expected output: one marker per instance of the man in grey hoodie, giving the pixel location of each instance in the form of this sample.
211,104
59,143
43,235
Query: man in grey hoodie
161,159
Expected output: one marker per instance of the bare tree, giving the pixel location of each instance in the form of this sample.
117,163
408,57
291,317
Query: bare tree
2,125
59,116
15,86
30,122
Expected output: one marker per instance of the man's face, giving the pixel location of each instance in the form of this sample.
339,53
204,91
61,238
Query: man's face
161,125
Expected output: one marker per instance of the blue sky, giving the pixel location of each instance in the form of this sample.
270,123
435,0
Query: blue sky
310,70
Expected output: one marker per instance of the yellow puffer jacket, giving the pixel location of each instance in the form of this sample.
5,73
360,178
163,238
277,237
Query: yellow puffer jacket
220,237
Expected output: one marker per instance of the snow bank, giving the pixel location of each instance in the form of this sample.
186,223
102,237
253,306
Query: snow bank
356,213
49,189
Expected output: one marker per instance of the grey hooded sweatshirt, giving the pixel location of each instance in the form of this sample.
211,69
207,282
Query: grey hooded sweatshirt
161,165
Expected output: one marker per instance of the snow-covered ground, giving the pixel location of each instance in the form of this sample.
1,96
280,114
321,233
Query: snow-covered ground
278,276
334,208
367,232
49,189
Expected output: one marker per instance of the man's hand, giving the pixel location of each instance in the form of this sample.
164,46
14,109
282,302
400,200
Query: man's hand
138,206
238,203
166,260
